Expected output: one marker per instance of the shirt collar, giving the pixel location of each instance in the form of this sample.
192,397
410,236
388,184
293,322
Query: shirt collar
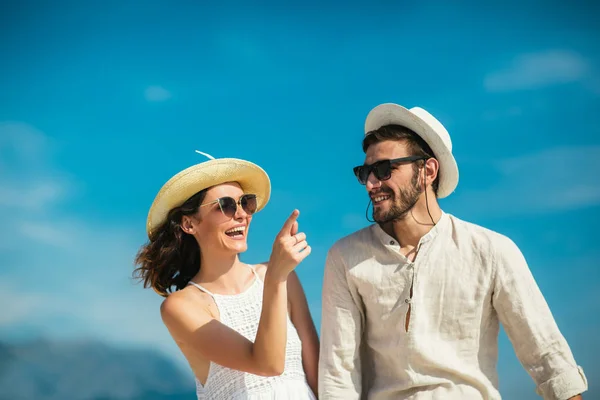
389,241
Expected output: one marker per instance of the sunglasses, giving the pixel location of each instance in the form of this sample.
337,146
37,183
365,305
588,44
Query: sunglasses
228,205
381,169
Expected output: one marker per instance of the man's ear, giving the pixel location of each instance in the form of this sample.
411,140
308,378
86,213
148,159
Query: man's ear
432,169
187,226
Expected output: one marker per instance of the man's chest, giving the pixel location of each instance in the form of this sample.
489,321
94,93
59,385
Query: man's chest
443,292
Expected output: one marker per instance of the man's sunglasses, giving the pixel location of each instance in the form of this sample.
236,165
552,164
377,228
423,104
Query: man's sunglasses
381,169
228,205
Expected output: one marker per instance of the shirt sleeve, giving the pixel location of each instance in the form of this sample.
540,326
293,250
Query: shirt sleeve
341,332
531,328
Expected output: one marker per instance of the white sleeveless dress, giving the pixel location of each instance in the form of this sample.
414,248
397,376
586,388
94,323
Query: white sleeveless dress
241,312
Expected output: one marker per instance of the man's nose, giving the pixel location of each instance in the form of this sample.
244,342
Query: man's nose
372,182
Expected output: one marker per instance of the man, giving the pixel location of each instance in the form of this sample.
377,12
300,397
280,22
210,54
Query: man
412,304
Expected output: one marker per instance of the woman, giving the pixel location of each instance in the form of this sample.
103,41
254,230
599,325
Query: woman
245,330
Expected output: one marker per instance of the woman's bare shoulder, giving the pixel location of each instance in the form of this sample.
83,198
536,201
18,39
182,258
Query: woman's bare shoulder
261,269
186,300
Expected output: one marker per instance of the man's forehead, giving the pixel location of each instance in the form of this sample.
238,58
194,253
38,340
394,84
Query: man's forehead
386,150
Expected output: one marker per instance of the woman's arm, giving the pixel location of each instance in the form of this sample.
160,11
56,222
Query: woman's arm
194,326
223,345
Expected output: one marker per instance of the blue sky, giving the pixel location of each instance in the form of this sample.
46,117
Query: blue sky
100,105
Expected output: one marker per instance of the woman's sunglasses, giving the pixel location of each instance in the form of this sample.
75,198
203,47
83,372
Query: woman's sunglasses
228,205
381,169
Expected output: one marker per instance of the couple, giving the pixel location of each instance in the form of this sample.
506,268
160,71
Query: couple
411,304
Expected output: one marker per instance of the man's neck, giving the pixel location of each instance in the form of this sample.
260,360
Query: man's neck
409,230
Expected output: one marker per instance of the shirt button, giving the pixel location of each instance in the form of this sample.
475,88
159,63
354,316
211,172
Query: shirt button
407,301
392,242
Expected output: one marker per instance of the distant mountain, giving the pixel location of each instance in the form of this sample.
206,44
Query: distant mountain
87,370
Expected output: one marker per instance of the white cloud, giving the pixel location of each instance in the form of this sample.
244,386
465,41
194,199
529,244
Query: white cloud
535,70
26,141
66,275
555,179
157,93
28,182
78,283
31,196
44,233
559,178
20,304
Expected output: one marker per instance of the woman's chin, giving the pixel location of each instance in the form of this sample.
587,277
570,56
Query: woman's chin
238,247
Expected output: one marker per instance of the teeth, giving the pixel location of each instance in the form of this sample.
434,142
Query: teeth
238,229
380,198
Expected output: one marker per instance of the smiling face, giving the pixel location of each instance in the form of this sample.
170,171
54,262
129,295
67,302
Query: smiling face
395,197
213,229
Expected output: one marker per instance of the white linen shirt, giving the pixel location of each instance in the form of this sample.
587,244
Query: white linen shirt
466,280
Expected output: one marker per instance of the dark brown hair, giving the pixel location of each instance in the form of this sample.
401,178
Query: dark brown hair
171,257
416,145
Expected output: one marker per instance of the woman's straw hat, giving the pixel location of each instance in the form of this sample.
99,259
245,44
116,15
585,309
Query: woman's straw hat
252,179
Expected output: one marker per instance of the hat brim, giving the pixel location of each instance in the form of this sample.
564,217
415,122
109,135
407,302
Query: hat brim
182,186
394,114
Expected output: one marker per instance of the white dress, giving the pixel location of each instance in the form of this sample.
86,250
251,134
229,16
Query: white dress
241,312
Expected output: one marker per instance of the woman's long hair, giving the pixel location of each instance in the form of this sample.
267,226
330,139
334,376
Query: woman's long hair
171,257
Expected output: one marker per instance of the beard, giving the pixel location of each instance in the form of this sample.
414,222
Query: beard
402,204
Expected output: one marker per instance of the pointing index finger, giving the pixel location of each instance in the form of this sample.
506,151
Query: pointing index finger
289,223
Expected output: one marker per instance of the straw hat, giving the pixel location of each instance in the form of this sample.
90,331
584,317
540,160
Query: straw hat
427,127
252,179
